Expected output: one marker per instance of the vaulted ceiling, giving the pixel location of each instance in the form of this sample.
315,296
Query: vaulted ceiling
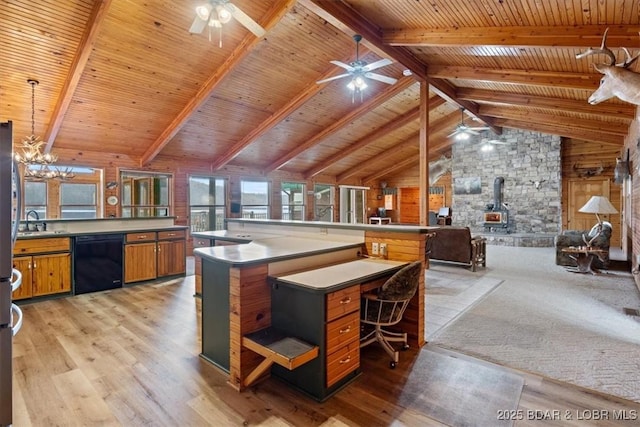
127,77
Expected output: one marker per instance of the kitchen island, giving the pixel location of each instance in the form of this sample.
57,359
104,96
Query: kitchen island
236,292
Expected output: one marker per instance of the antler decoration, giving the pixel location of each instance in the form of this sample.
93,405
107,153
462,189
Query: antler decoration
618,80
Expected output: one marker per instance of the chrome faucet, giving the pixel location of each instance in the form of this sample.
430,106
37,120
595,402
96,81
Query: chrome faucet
32,211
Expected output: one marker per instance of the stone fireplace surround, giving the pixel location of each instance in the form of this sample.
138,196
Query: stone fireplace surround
527,158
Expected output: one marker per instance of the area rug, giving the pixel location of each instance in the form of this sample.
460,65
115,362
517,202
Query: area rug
459,392
543,319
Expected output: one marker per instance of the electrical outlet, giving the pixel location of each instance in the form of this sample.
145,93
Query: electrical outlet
374,248
383,249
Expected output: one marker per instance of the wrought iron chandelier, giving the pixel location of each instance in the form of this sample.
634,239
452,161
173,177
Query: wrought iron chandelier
38,165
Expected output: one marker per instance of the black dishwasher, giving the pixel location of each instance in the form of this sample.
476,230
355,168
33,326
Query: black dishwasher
97,262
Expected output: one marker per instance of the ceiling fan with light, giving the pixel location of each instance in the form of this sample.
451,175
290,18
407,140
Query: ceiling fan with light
359,71
214,13
464,131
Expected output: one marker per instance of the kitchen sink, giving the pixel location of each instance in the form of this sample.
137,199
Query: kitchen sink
39,233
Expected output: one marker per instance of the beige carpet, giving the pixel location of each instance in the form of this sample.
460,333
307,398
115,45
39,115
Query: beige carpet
459,392
543,319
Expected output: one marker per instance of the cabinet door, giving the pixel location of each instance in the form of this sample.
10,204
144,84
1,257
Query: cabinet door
25,290
139,262
51,274
172,258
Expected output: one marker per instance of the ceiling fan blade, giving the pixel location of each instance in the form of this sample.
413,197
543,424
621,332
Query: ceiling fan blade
343,65
198,25
497,142
245,20
333,78
472,131
378,64
381,78
454,133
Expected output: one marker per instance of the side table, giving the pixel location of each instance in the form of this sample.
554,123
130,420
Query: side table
584,257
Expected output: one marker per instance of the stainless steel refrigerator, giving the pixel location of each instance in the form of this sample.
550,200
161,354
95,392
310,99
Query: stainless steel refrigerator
10,279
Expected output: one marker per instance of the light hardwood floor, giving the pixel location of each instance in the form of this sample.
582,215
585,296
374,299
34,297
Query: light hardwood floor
130,357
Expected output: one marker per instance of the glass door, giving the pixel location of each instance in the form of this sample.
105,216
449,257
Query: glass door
353,204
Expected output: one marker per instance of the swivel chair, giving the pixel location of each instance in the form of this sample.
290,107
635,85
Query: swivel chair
387,307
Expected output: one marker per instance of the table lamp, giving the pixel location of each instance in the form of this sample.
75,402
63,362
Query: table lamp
597,205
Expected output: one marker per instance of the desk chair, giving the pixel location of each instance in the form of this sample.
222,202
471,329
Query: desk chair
387,307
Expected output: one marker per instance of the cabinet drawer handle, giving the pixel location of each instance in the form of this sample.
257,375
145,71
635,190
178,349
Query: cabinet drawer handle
347,300
171,234
347,360
345,330
142,237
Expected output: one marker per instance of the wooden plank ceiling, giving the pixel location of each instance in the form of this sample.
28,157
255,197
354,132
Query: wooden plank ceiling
127,77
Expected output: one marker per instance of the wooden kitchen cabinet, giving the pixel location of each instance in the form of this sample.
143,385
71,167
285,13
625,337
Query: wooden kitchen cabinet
45,265
139,262
149,255
25,290
172,253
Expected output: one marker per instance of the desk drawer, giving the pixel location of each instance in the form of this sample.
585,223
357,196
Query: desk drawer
342,302
343,331
342,362
141,237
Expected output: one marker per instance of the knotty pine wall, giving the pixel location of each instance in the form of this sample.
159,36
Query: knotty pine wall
591,154
112,164
631,201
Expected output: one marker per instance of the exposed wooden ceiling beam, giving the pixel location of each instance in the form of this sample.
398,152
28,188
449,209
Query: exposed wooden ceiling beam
591,125
578,37
347,19
397,123
296,102
410,142
364,108
275,14
569,105
437,127
521,77
566,130
98,15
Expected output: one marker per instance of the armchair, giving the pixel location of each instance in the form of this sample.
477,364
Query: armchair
455,244
575,238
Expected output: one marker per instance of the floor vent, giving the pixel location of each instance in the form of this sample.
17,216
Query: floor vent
631,311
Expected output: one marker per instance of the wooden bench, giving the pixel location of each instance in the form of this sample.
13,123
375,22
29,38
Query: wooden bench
278,348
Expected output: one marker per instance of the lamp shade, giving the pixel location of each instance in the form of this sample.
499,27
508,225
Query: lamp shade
598,205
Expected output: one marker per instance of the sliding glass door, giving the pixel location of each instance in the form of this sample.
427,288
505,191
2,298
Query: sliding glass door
353,204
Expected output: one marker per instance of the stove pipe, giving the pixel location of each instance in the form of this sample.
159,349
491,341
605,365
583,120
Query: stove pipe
497,193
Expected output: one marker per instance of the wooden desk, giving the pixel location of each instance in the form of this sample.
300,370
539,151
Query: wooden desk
322,307
584,257
379,220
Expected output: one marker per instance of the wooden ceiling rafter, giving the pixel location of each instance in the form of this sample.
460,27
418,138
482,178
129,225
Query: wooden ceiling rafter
397,123
347,19
250,41
523,36
591,124
558,104
518,77
364,108
565,130
306,94
409,161
438,126
78,64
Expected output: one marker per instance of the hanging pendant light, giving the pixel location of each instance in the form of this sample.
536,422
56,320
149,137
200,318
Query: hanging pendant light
38,164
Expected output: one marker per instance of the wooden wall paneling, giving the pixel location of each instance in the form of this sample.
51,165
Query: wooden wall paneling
249,286
578,157
406,247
